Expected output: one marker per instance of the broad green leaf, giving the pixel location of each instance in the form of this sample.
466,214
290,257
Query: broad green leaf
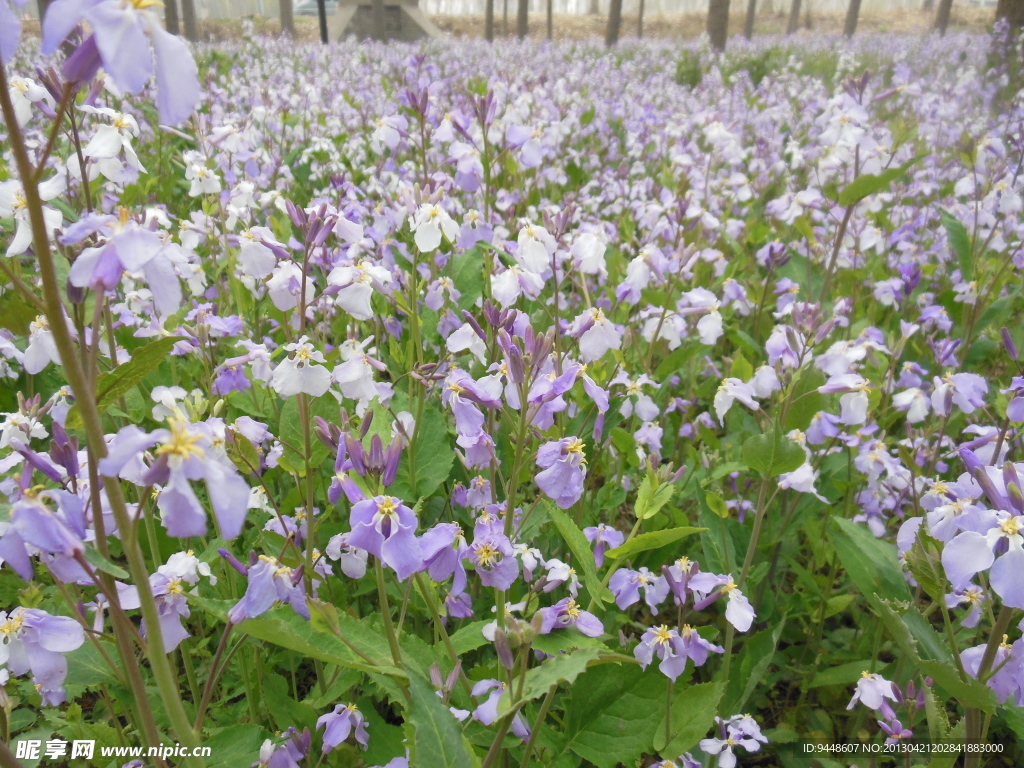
469,637
807,400
582,555
466,270
844,674
612,717
100,563
675,361
428,461
282,626
652,496
565,640
758,654
693,715
872,563
437,736
772,454
87,667
959,243
290,429
564,668
970,693
610,496
652,540
235,746
870,184
116,383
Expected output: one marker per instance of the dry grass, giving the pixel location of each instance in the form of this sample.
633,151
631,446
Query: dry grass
573,27
566,27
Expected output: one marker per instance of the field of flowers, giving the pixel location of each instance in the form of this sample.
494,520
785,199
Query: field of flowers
453,405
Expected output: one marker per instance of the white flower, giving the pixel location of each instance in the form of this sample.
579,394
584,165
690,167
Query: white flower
24,93
466,338
429,223
42,349
298,373
357,283
14,206
536,247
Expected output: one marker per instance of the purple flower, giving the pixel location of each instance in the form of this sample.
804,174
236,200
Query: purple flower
895,732
353,559
494,558
185,452
626,584
32,640
340,723
122,34
564,468
971,552
487,712
385,528
604,537
10,30
673,648
565,613
444,548
269,583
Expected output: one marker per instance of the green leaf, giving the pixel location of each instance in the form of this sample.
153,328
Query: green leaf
772,454
582,554
235,746
290,430
959,242
807,400
870,184
87,667
872,563
675,361
844,674
564,668
612,717
100,563
282,626
469,638
437,736
610,496
758,654
428,461
466,270
693,715
652,540
652,496
115,384
971,693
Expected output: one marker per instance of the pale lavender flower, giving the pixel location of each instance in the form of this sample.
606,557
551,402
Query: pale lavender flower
564,468
566,613
386,528
340,723
604,537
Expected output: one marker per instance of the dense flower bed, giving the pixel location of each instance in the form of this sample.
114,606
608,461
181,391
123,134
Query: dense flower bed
454,405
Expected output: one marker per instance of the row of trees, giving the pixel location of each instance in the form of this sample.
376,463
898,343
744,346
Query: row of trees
717,19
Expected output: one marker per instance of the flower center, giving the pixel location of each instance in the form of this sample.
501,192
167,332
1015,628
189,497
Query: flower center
662,635
572,610
487,554
182,443
1011,526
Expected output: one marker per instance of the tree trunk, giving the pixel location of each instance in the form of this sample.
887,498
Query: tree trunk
287,18
611,36
852,14
640,20
489,19
1012,11
523,19
942,17
718,23
551,18
748,27
188,18
321,12
379,27
794,18
171,17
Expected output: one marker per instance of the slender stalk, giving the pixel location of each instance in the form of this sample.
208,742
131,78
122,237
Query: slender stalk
166,683
541,715
385,609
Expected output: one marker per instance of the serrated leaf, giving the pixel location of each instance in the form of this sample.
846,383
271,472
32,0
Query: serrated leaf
437,736
564,668
583,557
612,717
693,715
652,540
872,563
116,383
772,454
469,638
283,627
87,667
